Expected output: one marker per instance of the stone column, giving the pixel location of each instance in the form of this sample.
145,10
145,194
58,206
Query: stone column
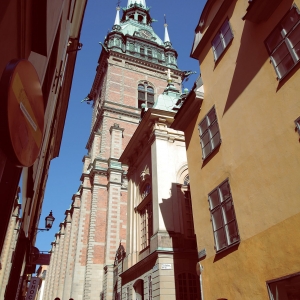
65,253
74,214
49,273
79,272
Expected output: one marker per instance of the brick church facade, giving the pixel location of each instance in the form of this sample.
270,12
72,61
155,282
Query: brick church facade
131,73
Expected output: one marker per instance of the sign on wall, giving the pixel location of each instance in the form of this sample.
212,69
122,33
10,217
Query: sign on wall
33,288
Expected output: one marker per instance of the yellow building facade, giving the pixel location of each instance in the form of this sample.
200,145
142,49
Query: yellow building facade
243,149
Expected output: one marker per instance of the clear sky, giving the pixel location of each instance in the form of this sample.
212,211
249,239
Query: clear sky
65,171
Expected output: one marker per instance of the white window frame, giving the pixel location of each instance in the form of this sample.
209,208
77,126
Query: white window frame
220,39
209,132
221,207
284,42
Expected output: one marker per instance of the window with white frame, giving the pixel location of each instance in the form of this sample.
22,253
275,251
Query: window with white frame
209,133
222,39
283,44
285,288
223,218
297,123
150,287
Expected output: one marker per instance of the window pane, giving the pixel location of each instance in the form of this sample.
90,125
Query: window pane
206,150
231,233
274,39
280,53
141,87
214,199
285,65
290,20
215,141
228,213
294,39
218,50
150,89
205,138
141,95
225,27
220,239
227,37
211,116
224,191
213,129
217,219
203,126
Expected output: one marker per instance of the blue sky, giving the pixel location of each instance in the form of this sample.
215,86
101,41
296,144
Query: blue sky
65,171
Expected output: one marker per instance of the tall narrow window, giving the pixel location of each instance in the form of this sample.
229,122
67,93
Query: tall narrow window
146,217
145,95
150,287
146,225
142,51
223,217
209,133
283,44
222,39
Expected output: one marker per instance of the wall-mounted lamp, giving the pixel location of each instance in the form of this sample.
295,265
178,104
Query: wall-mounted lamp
48,222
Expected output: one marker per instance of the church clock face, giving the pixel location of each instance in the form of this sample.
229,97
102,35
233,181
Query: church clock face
145,34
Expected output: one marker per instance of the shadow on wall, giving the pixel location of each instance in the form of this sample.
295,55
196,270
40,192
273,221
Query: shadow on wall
252,54
184,247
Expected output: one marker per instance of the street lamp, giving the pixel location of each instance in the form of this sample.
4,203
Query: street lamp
48,222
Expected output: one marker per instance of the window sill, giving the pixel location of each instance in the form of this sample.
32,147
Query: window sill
288,72
228,247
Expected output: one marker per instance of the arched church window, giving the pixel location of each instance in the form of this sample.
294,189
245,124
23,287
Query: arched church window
145,95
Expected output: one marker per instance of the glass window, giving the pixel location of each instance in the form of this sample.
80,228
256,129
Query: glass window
287,288
222,39
209,133
146,225
145,95
283,44
223,217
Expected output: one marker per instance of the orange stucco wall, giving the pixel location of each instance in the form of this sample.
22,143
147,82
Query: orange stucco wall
259,154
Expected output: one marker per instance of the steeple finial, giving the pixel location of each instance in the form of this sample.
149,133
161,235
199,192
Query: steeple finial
117,20
167,38
141,2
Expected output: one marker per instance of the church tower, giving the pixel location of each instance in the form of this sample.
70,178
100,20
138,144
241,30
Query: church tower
131,73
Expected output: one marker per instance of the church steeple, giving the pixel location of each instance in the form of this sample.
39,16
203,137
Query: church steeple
167,41
133,35
117,20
